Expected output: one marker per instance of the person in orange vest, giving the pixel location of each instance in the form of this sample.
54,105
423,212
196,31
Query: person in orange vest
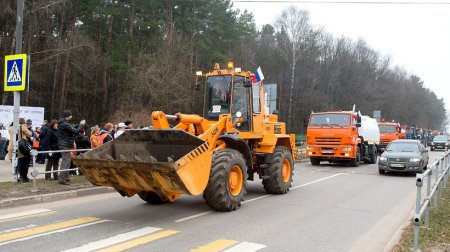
95,137
106,133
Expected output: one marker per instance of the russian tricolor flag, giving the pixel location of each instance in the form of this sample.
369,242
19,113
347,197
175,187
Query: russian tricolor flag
259,76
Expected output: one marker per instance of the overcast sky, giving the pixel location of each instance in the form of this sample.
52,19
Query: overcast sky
416,36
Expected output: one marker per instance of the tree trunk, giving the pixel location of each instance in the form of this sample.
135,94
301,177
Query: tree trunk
106,66
57,66
291,92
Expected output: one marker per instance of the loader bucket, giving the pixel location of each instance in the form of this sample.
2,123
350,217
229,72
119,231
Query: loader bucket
168,162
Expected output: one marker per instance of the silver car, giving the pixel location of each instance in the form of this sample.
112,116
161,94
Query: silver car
404,156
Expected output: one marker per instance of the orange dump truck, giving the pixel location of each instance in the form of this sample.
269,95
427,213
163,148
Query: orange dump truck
389,131
342,137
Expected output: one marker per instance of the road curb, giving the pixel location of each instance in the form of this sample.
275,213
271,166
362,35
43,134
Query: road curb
43,198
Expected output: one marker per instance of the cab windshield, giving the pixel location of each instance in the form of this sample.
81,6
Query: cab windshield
402,147
387,128
330,120
440,138
217,96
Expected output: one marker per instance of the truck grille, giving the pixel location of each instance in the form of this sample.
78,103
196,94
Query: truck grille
385,142
328,140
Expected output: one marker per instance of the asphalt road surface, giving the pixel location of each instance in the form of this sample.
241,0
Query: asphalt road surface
329,208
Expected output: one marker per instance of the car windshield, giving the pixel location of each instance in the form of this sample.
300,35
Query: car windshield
330,120
440,138
387,128
403,147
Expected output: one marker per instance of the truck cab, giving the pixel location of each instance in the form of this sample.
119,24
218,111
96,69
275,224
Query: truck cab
342,137
389,131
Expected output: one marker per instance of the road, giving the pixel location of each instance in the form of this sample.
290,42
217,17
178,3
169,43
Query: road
329,208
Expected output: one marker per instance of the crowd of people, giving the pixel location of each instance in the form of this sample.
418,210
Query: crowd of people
55,136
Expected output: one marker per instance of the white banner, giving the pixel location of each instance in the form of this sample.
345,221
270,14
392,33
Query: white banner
35,114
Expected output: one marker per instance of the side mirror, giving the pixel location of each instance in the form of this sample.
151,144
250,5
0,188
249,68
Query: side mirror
305,121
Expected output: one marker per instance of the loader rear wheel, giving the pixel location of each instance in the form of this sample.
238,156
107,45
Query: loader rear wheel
280,171
227,180
152,198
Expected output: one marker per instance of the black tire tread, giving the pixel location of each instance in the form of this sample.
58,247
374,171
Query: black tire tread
152,198
275,184
314,161
216,194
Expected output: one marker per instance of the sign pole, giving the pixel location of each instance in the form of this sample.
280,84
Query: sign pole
16,112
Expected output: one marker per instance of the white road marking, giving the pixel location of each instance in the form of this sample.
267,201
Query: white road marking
22,214
17,229
193,216
258,198
246,247
315,181
53,232
92,246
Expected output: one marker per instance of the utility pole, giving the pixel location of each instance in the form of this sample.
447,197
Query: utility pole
16,111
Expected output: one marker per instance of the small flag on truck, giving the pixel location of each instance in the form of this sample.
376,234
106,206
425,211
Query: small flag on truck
259,76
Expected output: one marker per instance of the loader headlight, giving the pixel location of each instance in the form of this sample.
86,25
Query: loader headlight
199,73
239,114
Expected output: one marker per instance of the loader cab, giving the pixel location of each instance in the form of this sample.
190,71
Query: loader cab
229,93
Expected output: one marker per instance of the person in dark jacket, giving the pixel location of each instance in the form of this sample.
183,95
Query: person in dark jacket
66,135
82,142
44,141
52,158
4,142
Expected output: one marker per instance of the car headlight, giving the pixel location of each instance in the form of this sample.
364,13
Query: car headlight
414,160
432,143
383,158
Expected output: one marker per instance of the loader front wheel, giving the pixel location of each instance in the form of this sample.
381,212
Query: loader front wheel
227,180
280,171
152,198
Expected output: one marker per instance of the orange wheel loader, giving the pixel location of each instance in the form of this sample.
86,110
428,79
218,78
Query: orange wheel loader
212,155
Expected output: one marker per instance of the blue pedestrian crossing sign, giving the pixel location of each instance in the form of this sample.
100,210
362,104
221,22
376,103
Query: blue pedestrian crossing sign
15,72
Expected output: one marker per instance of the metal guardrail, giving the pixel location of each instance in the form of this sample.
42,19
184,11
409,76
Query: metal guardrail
441,173
35,172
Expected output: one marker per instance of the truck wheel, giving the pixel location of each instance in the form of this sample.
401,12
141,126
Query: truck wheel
355,162
151,198
227,180
314,161
373,156
280,171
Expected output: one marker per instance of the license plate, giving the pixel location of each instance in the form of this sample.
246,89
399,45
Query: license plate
327,152
397,165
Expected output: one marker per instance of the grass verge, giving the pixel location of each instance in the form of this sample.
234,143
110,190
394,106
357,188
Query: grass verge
16,190
437,236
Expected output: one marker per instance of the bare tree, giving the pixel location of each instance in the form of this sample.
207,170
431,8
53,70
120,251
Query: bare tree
292,26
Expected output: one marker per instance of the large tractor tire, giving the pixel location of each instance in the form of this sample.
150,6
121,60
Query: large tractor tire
280,171
355,162
152,198
227,180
